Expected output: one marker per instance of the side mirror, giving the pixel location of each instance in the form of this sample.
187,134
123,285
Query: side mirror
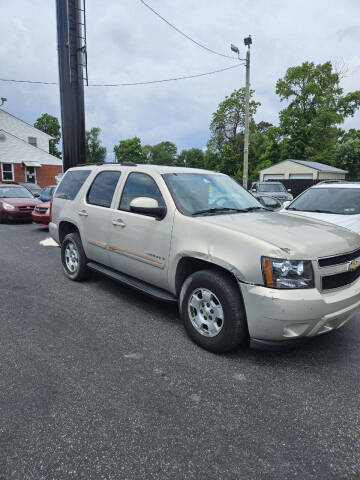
253,189
289,189
147,206
286,204
36,195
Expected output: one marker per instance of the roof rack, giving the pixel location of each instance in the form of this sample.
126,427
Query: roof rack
124,164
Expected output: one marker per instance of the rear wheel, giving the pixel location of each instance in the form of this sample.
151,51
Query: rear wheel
73,258
212,311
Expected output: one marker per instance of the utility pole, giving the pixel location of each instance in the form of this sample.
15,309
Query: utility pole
234,48
247,42
71,36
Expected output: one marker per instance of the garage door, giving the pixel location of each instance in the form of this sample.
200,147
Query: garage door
300,176
274,176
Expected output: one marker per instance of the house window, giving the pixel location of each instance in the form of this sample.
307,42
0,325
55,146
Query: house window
32,141
7,172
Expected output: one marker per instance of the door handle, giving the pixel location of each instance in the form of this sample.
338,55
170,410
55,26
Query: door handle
83,213
118,223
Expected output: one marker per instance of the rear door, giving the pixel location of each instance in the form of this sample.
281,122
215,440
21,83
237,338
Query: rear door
139,245
95,213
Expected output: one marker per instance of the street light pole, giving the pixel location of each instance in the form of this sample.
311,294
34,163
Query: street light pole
246,132
234,48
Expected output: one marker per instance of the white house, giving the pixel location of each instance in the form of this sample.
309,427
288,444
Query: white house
291,169
24,153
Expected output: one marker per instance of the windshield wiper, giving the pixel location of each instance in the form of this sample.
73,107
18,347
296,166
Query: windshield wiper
217,210
227,210
251,209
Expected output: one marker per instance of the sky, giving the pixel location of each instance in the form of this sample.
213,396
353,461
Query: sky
126,42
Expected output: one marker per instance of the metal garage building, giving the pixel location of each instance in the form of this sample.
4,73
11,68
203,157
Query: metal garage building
291,169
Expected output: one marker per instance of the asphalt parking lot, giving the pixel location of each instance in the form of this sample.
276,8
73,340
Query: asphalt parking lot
100,382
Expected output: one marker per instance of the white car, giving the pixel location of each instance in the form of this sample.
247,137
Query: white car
337,203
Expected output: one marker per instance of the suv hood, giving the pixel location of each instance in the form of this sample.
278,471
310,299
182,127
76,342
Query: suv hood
298,237
352,222
20,201
275,194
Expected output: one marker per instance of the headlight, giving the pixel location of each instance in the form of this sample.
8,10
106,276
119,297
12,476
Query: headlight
281,273
7,206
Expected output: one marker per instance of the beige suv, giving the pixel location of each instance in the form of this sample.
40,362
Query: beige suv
236,269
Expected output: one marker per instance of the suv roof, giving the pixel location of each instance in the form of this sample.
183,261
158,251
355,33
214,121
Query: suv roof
145,166
270,183
341,184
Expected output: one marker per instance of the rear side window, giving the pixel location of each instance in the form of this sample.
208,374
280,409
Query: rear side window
140,185
71,183
102,189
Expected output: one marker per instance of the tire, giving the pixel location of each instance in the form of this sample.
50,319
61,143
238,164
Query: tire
215,329
73,258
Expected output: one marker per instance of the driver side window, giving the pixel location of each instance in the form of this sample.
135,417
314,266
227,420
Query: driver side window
139,185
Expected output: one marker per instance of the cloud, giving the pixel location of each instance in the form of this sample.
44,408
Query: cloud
127,43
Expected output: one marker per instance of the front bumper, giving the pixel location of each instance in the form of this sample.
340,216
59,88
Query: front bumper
282,315
40,219
16,216
53,230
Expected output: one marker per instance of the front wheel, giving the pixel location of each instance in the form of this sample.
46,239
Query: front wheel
73,258
212,311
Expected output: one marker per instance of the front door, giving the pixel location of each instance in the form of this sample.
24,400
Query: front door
95,214
30,174
139,245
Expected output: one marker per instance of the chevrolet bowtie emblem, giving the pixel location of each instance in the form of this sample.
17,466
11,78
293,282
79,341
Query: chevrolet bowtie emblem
353,265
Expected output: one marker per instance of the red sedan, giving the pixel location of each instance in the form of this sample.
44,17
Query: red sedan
16,203
41,215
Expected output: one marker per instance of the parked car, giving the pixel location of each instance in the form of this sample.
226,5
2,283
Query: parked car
196,237
16,203
32,187
271,189
41,215
46,193
337,203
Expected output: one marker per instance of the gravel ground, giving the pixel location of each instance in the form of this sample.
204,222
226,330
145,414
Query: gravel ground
100,382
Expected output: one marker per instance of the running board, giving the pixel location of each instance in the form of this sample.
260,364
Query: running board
134,283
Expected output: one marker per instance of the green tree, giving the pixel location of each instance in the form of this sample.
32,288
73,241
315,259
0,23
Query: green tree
194,157
347,154
130,150
50,125
163,153
94,151
227,127
317,106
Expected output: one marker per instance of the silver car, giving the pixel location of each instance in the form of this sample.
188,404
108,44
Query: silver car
195,237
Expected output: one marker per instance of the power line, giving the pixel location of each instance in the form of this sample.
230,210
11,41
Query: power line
128,84
26,81
166,79
184,34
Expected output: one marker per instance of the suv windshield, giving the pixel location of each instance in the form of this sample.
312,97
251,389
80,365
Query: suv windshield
15,192
208,193
271,187
342,201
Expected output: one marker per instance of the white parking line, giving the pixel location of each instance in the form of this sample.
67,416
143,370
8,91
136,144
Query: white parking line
48,242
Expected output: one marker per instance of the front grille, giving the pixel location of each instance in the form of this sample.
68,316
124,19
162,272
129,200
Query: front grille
337,259
340,279
40,210
28,208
